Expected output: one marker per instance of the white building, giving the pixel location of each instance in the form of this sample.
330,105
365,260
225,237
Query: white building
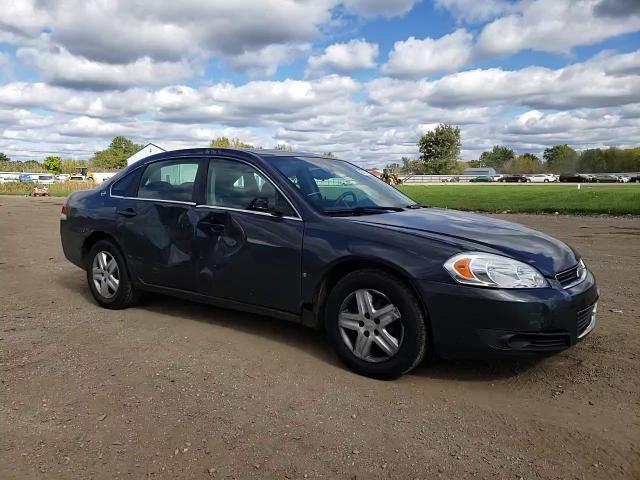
146,151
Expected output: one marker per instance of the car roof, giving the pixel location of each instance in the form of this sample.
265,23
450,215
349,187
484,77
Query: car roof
264,153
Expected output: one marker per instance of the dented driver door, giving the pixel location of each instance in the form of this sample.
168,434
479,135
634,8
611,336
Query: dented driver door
248,239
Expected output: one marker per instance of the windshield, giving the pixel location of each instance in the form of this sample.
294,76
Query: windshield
338,186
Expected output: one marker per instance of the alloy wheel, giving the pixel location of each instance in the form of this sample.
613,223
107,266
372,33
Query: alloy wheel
370,325
105,274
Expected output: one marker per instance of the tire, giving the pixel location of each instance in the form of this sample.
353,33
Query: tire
125,295
410,328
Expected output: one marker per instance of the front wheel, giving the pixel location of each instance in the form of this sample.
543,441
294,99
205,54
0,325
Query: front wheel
108,277
375,324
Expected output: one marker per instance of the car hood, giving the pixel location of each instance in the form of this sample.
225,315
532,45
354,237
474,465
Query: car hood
480,233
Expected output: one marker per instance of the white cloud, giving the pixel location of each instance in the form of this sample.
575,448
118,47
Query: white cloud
474,10
122,42
382,8
345,57
416,58
575,86
551,26
592,103
161,37
61,67
266,60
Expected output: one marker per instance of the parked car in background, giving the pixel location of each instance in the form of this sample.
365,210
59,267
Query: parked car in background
635,179
321,242
46,179
513,178
77,178
481,179
63,177
25,178
542,178
450,180
574,178
624,178
600,178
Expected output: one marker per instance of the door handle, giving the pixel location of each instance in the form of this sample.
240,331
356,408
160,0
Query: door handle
216,227
126,212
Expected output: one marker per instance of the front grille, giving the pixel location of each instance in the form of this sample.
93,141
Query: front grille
572,276
584,319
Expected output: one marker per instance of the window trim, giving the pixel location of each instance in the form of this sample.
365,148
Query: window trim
261,172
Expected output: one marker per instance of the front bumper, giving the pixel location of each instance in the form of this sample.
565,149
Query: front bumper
470,321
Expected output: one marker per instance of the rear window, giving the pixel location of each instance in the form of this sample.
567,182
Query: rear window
126,186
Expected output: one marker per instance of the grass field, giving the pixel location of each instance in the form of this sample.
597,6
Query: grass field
589,200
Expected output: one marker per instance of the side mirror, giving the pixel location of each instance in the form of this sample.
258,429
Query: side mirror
260,204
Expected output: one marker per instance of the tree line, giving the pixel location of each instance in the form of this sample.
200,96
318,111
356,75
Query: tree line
440,154
112,158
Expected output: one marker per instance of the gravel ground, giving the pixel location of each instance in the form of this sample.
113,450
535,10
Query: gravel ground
173,389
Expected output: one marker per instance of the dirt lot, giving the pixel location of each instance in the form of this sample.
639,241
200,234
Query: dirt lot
172,389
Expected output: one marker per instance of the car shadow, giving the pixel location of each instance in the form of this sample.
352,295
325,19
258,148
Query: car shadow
472,370
292,334
306,339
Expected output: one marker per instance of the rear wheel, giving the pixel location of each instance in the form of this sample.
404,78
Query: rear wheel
375,324
108,278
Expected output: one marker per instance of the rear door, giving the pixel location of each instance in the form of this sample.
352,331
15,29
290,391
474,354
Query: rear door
156,223
249,238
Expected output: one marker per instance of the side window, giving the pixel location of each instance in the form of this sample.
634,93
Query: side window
169,180
125,187
237,185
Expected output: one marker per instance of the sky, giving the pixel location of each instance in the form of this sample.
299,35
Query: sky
361,78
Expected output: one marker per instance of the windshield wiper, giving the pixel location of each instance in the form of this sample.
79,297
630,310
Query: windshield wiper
362,210
414,206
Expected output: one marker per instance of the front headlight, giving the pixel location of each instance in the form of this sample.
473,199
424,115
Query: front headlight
489,270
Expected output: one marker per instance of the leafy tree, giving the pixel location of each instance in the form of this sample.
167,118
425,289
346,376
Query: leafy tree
4,157
459,167
19,166
497,157
393,167
70,165
53,164
476,164
561,159
525,163
283,147
413,166
226,142
329,155
115,157
609,160
440,148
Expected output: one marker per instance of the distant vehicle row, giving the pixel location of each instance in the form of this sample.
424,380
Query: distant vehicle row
551,178
50,179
